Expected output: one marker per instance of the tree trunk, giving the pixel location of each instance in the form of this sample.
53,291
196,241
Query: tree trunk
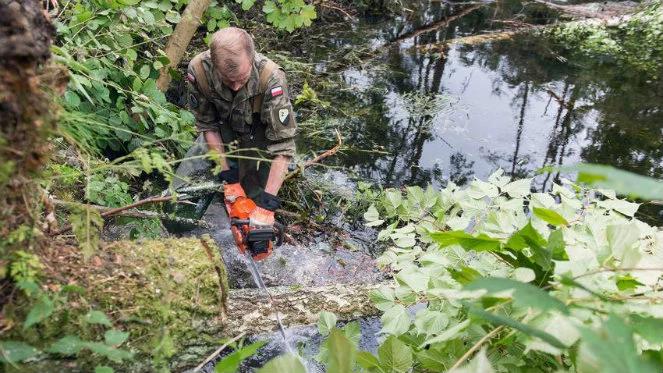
25,115
180,39
179,288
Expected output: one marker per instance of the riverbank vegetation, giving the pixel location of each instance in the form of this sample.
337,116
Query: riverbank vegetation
492,272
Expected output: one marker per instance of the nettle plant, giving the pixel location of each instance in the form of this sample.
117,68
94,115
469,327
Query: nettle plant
548,281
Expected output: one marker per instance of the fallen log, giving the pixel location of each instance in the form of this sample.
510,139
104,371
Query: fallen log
504,35
179,288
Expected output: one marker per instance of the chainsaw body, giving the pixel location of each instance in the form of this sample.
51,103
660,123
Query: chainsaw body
257,242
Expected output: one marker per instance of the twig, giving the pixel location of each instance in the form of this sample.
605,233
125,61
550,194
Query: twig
324,4
317,159
118,210
476,347
218,351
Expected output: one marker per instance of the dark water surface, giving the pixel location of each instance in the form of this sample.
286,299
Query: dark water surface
514,104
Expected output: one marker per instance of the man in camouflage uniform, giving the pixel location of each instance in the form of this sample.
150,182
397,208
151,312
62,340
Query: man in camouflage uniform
241,104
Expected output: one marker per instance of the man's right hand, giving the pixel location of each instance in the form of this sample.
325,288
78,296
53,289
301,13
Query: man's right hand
233,191
230,176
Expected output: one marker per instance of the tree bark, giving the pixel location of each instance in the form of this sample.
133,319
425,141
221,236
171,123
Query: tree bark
181,286
26,114
180,39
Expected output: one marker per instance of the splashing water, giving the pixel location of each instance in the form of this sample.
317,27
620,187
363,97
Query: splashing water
259,282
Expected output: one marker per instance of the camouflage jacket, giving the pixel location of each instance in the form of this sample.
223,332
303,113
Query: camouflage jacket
223,110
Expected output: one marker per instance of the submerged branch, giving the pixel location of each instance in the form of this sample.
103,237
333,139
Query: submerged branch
317,159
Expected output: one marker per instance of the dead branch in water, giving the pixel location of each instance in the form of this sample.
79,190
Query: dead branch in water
317,159
436,25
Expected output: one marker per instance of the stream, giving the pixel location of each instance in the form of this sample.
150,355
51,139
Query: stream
430,113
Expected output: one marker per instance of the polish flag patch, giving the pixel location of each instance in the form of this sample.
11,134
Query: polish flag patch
277,91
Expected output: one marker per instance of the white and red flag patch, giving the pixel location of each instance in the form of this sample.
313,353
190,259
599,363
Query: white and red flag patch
277,91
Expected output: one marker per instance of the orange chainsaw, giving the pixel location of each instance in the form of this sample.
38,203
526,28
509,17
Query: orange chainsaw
256,242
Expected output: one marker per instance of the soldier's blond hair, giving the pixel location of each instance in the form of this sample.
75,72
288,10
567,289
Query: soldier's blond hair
229,46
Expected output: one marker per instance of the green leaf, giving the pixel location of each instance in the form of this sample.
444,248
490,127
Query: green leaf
622,238
479,364
528,237
326,322
395,320
448,334
14,352
524,274
517,188
368,361
414,279
97,317
556,245
625,283
284,363
550,216
465,275
395,356
69,345
342,353
432,360
622,182
144,72
246,4
507,321
231,363
430,322
115,337
468,242
613,348
526,295
649,328
103,369
39,312
72,99
109,352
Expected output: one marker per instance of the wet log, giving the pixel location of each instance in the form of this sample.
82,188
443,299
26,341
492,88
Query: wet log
504,35
179,288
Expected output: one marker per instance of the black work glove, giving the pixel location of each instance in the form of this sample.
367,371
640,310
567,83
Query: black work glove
230,176
268,201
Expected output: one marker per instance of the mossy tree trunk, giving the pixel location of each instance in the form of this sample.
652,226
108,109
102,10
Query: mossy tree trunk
25,119
177,289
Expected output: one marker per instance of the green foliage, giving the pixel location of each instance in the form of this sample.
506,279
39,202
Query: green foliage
107,190
230,363
13,351
549,269
24,267
86,223
308,95
284,363
288,14
623,182
636,43
113,53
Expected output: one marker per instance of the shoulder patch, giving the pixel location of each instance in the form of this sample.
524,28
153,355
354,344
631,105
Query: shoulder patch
277,91
283,115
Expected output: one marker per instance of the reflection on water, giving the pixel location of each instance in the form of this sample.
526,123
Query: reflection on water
514,104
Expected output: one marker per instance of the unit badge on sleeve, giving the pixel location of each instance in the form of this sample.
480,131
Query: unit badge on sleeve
283,115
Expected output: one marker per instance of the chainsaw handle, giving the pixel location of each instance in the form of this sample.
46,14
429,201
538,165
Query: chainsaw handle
278,228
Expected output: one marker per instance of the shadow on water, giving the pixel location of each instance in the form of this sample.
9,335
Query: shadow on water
513,104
